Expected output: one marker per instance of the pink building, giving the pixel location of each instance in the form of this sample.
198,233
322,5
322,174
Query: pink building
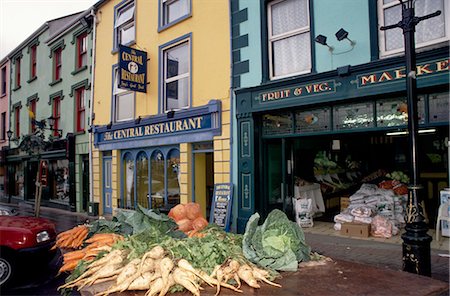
4,118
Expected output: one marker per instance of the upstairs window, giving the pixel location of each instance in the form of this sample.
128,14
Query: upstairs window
17,121
3,85
428,32
289,38
32,113
3,131
124,26
174,10
123,101
57,64
177,76
56,113
33,63
17,71
80,109
82,50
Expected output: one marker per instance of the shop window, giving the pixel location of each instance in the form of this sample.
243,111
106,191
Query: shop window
158,179
173,177
18,188
56,112
174,11
428,32
394,112
17,70
57,64
59,183
17,122
123,108
80,100
32,115
439,106
33,62
316,120
3,85
128,185
289,38
274,124
353,116
124,25
142,178
177,76
81,50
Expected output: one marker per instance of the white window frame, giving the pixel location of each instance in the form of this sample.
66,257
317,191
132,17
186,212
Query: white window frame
117,92
399,51
272,39
164,5
165,80
126,23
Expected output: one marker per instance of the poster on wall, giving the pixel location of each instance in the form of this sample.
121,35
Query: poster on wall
132,69
221,205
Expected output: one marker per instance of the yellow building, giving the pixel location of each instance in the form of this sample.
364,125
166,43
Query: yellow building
171,143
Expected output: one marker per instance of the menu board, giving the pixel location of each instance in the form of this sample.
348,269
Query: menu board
221,205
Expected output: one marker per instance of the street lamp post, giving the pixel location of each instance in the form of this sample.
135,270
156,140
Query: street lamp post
9,133
416,241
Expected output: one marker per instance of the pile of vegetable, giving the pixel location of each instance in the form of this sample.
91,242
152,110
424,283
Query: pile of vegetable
158,272
72,238
161,254
189,218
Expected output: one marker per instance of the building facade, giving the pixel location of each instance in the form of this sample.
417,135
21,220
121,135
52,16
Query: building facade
168,140
322,99
50,88
4,119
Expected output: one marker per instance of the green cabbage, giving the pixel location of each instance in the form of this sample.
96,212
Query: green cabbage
277,244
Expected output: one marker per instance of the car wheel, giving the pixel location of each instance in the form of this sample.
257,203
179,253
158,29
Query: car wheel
6,270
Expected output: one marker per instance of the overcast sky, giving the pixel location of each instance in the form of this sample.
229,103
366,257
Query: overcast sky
20,18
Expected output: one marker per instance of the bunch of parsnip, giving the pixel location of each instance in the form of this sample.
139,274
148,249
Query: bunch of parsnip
158,273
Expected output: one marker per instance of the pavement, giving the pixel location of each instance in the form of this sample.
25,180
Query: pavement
377,254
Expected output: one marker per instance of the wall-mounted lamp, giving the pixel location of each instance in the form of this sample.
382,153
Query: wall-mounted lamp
51,123
109,125
170,114
321,39
342,34
137,120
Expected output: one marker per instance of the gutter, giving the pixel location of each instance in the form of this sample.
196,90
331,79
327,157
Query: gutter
91,106
68,26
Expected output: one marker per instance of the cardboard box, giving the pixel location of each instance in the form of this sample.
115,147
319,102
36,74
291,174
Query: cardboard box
345,202
355,229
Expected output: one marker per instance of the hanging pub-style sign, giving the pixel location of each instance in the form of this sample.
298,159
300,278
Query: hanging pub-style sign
132,69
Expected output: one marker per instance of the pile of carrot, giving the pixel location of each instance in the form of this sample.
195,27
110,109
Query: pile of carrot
97,243
72,238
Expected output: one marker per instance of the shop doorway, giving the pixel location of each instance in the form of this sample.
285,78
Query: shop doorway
30,180
203,176
85,181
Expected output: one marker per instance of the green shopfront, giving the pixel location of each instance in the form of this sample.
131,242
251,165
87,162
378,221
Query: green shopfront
342,127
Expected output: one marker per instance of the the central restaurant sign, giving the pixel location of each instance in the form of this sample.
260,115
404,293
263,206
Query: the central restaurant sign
132,69
304,90
158,129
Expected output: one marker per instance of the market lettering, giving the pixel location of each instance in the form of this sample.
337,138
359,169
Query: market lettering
156,129
276,95
128,76
129,57
423,69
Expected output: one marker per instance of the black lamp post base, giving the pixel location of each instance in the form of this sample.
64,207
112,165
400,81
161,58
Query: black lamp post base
416,249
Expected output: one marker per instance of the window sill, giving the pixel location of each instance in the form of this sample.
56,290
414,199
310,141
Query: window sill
116,49
55,82
79,133
2,96
76,71
173,23
32,79
17,88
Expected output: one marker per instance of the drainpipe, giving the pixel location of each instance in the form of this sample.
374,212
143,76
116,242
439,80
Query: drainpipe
234,209
91,108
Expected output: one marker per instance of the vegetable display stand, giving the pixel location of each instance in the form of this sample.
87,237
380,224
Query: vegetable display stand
333,278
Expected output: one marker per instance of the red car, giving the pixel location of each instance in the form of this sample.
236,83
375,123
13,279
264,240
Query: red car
24,241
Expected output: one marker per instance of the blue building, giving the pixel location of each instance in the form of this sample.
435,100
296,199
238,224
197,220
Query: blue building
320,98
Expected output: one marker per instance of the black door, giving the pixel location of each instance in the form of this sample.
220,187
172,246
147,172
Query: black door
85,181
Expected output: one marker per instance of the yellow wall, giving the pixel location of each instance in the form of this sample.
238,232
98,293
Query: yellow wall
210,75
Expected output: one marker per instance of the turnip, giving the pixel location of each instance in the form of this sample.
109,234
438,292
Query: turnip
246,274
